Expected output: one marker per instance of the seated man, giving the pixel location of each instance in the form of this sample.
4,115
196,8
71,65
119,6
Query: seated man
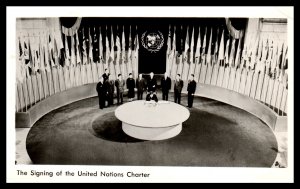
151,97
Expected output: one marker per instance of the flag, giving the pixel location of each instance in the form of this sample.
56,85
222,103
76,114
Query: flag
118,45
198,46
136,53
67,52
203,48
90,59
100,47
169,50
192,48
84,51
208,56
112,44
41,50
20,68
186,46
129,46
78,57
226,55
47,66
73,56
238,54
123,53
232,51
107,53
221,50
215,54
173,66
95,47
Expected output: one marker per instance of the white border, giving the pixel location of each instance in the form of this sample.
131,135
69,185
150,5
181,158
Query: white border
157,174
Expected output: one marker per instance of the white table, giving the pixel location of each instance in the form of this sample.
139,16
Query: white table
147,121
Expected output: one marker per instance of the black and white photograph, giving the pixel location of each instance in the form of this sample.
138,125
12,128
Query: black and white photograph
163,95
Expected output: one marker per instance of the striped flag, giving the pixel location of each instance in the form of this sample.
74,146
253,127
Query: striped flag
123,54
118,44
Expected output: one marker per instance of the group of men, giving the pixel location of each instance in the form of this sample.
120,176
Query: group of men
106,86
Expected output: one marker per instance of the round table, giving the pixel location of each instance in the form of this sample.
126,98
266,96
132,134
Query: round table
152,121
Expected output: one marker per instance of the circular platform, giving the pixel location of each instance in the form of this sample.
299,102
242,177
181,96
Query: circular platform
152,121
215,135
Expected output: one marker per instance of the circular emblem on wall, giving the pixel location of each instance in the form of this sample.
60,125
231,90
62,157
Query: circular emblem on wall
152,41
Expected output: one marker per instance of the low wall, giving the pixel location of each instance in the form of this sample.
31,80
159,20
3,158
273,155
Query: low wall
264,113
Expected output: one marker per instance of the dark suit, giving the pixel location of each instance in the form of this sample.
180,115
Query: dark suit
130,86
110,90
120,89
191,88
151,84
101,94
149,98
178,85
165,87
140,85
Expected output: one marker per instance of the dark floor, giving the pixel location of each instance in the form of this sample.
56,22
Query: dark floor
216,134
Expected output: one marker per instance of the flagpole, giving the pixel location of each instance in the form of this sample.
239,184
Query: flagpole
18,94
276,98
29,99
24,96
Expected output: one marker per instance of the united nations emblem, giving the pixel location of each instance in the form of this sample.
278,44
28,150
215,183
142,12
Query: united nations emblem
152,41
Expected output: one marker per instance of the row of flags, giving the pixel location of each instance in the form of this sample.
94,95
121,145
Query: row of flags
263,55
51,51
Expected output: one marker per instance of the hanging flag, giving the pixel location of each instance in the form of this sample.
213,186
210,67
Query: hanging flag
101,59
198,46
168,58
136,53
226,55
67,52
123,54
215,54
47,58
203,48
232,51
73,56
208,56
129,46
192,63
90,59
41,50
112,46
192,48
118,45
221,50
186,46
20,68
95,47
78,57
84,51
107,52
173,63
238,55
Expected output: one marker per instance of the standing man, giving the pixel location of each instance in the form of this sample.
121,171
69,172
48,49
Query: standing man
151,84
165,86
110,90
105,75
120,83
191,88
177,89
101,93
140,85
130,86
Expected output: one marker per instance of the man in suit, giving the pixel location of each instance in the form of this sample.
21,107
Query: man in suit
151,84
165,86
178,85
110,89
140,85
120,83
191,88
105,75
130,86
101,93
151,97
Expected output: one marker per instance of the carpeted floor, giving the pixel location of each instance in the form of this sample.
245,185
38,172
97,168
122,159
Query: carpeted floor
215,135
